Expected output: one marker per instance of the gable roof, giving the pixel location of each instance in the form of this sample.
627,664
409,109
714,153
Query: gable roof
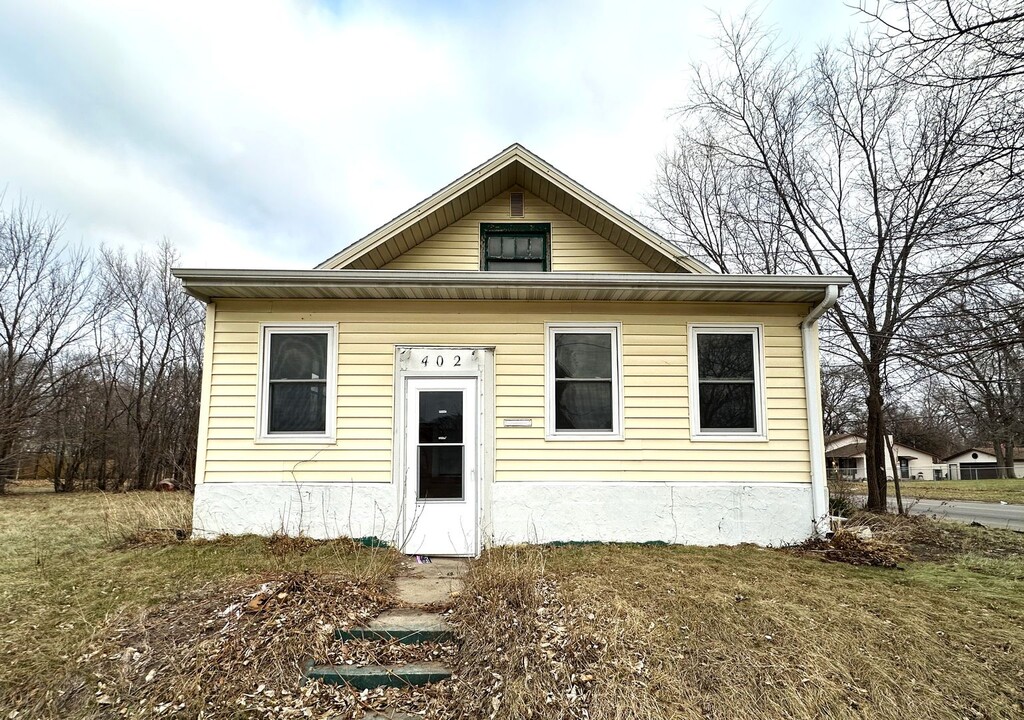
846,451
513,166
861,446
1018,453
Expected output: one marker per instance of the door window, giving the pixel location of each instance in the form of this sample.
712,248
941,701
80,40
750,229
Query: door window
440,450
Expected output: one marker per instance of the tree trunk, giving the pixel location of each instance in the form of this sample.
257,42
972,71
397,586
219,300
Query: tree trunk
8,464
1000,453
874,452
895,475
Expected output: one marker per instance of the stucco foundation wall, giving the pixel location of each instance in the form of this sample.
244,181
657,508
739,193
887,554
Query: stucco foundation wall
318,510
680,513
524,512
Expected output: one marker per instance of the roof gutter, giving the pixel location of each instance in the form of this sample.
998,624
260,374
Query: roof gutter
815,419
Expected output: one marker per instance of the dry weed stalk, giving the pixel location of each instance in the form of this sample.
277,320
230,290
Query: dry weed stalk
136,519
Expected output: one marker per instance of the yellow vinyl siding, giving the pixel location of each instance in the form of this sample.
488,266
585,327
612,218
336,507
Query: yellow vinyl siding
574,247
656,416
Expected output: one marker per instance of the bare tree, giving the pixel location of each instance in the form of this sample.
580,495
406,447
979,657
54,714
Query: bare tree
156,378
981,355
841,393
46,308
865,173
719,207
936,36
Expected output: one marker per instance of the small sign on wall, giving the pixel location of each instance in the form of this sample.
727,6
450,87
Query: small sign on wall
439,360
517,422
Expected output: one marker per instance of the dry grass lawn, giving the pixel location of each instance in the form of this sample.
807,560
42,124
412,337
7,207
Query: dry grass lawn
603,632
74,564
636,632
1005,490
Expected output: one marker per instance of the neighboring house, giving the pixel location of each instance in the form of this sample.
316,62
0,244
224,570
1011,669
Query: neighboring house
979,463
845,455
512,360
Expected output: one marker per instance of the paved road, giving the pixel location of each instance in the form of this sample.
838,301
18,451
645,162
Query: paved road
988,514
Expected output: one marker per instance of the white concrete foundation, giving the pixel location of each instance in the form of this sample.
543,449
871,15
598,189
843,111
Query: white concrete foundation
682,513
317,510
520,512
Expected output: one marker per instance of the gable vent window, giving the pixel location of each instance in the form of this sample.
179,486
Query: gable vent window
515,247
517,205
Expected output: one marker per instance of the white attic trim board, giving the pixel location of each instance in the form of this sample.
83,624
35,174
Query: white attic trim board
514,155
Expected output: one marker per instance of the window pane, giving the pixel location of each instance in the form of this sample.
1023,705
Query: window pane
508,247
536,249
299,356
528,247
516,265
494,246
727,406
583,405
583,355
441,416
725,356
440,476
298,407
522,248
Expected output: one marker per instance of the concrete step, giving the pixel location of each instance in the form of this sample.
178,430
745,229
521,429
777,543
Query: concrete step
375,676
404,625
429,584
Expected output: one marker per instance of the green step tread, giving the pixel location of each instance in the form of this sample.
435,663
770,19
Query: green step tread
399,635
374,676
407,626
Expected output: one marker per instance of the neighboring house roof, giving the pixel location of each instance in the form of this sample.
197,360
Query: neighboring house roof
847,451
1018,453
515,166
841,436
862,444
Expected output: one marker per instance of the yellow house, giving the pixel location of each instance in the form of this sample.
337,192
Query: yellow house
512,360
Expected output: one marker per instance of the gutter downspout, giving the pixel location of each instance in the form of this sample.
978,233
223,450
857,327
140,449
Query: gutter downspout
815,420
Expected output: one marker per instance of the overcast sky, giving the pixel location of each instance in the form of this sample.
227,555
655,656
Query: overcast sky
274,133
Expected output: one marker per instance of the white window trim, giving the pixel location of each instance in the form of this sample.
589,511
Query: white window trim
760,407
262,378
615,330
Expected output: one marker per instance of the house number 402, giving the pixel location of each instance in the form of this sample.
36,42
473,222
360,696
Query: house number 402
439,360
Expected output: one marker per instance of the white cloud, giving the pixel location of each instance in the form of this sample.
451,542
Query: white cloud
274,133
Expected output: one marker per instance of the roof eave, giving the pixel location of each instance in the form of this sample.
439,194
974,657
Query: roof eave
208,284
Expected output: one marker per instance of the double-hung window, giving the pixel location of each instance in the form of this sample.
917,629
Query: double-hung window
726,382
584,380
298,381
515,247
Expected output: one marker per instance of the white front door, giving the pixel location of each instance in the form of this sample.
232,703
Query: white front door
441,458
